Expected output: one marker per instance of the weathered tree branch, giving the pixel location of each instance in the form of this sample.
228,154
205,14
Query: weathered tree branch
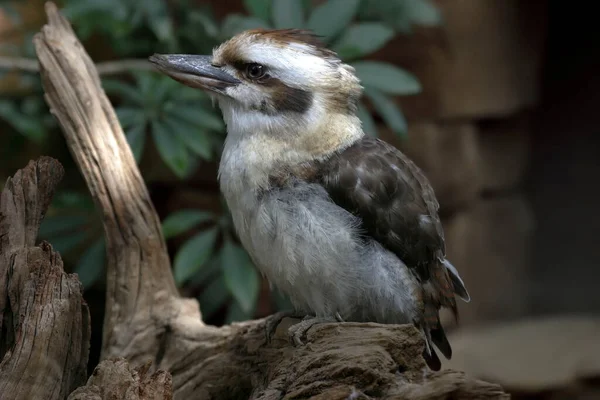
103,68
44,322
140,285
115,379
146,319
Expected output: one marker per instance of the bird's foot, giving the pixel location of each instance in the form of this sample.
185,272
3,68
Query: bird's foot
273,321
298,331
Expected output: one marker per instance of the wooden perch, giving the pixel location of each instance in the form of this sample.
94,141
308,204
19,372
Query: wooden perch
44,322
146,319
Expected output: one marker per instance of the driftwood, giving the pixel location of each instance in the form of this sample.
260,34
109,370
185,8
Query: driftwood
44,322
155,345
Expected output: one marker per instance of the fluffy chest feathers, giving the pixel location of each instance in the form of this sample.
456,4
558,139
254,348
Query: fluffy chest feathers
279,145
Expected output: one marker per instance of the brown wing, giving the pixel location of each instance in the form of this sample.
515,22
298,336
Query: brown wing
395,201
398,208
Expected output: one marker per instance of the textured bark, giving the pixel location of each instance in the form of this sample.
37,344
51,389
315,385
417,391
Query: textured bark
115,379
147,322
140,286
44,322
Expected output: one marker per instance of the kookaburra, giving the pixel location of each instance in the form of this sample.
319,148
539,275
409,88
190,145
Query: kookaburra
343,223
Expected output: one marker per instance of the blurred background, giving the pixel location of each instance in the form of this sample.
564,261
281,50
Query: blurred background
496,100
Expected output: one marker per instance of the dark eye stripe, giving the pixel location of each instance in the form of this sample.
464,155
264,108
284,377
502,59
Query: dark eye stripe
286,98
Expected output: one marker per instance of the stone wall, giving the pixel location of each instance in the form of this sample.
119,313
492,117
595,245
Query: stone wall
470,131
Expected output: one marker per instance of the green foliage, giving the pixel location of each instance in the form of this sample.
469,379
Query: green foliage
193,254
387,109
362,39
320,19
184,127
182,123
71,226
385,77
401,14
183,220
241,278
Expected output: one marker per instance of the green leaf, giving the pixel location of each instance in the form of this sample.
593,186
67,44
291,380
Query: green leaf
60,224
196,139
288,14
199,18
210,270
162,27
129,116
183,220
387,78
366,118
282,302
32,106
362,39
31,128
136,137
306,4
322,23
389,111
236,23
91,264
81,8
259,8
163,88
401,14
193,254
123,90
146,82
241,277
197,116
171,149
213,297
423,12
65,243
236,313
10,11
66,199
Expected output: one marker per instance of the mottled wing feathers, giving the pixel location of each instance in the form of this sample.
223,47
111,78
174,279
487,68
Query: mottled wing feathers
396,203
398,208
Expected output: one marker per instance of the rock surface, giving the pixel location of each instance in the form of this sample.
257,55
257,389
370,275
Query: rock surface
485,61
449,155
531,355
490,245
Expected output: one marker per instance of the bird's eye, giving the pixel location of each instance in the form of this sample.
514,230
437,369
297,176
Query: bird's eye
255,71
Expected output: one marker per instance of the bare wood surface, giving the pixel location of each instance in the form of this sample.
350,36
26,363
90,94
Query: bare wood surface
140,284
116,379
146,319
44,322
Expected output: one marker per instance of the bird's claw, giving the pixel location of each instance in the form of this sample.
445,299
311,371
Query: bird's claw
298,331
274,320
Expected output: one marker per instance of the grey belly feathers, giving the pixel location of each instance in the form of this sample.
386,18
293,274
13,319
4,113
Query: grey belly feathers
315,253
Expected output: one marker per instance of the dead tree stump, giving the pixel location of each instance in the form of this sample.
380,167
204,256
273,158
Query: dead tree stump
150,333
44,322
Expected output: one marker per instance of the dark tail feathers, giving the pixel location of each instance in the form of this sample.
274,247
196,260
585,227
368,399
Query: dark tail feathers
434,332
459,285
438,337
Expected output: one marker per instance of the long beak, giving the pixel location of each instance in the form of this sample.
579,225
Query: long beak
194,71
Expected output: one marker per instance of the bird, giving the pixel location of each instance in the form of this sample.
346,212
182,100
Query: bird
341,222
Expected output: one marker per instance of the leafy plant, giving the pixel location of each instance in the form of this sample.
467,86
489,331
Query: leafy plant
186,129
181,120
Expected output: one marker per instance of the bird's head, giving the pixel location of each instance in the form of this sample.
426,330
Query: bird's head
272,82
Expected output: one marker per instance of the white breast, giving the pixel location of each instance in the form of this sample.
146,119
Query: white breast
310,248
